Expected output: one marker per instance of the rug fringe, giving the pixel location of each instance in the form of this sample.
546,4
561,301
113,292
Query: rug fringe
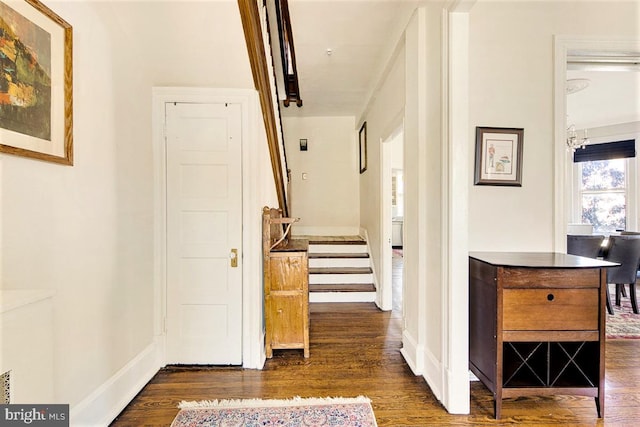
295,401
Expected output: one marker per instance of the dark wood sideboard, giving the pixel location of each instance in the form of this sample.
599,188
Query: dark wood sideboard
537,324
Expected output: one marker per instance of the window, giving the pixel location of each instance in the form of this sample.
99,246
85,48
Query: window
603,194
605,185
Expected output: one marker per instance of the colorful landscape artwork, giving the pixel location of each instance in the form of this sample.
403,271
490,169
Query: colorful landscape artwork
25,75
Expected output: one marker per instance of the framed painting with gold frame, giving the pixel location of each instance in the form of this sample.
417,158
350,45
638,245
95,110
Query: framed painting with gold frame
36,100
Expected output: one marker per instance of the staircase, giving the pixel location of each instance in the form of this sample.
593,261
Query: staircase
340,270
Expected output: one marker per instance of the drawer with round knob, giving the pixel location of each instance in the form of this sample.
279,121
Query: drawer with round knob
550,309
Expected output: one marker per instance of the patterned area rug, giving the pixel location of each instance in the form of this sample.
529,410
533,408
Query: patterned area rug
624,324
335,412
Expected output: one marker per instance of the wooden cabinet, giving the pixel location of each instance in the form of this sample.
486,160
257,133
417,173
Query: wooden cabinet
286,284
537,324
287,297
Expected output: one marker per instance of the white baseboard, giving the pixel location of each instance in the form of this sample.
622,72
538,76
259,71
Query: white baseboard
432,374
263,351
422,363
102,406
412,353
458,396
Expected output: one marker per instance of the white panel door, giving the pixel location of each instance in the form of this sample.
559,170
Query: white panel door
204,228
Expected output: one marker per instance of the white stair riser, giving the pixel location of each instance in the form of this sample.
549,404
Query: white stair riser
342,297
339,249
338,262
340,278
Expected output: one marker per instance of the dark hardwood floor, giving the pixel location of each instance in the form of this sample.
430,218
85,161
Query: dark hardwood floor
355,350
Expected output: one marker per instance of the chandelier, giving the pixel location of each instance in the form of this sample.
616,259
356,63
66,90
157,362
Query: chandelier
573,141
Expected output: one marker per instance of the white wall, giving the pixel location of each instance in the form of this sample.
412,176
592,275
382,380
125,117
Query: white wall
511,81
423,342
412,91
327,201
86,232
510,76
435,247
397,151
384,115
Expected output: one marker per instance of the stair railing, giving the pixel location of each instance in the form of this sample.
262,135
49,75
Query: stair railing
255,37
288,54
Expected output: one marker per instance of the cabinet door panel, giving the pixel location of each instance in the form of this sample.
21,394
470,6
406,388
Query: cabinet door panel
287,320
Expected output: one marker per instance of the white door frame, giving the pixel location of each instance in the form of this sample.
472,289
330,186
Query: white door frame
386,282
562,160
385,295
252,325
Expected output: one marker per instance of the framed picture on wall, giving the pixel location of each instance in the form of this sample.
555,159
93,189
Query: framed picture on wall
498,156
36,105
362,144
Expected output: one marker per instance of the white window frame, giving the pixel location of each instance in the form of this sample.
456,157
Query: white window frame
631,186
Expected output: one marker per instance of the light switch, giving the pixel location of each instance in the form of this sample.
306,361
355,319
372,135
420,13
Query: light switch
304,175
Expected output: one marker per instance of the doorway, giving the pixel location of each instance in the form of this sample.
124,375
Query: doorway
392,220
255,171
565,51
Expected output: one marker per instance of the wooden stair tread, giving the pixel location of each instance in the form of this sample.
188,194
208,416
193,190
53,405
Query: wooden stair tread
334,240
337,242
339,255
339,287
340,270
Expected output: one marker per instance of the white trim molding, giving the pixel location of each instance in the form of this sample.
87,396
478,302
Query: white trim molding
413,353
434,374
455,211
102,406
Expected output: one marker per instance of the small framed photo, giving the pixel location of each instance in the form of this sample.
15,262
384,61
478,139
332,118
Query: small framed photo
362,143
303,145
498,156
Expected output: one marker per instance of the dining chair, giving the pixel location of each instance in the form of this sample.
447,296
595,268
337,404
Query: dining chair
589,246
624,250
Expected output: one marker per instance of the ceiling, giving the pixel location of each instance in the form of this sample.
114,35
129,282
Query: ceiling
612,97
362,36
